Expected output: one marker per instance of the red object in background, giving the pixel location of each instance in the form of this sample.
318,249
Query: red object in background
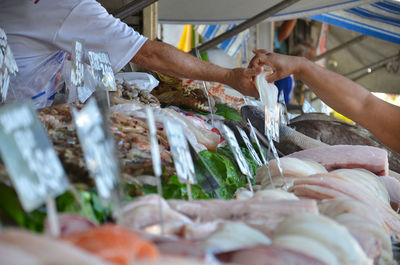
221,139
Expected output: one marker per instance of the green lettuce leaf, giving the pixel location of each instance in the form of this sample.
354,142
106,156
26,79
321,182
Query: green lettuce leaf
227,112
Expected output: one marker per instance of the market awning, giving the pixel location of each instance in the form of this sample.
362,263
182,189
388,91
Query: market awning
234,11
380,19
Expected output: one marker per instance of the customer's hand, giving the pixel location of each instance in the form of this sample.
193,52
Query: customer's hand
281,65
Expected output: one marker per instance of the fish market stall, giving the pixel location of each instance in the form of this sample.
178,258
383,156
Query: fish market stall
144,168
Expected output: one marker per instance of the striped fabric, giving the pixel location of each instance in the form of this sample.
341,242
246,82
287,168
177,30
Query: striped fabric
231,46
380,19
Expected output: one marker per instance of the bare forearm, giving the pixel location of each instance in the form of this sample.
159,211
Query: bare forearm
354,101
286,29
166,59
340,93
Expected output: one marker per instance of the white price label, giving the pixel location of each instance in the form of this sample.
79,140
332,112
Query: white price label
77,70
97,147
33,164
8,66
102,70
253,135
249,146
155,151
241,161
180,152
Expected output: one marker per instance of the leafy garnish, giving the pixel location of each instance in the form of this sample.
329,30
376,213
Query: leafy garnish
173,189
227,112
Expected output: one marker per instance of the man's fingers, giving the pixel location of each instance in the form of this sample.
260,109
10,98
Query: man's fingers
251,72
260,51
272,77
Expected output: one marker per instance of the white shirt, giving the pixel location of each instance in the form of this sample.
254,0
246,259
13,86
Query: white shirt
41,35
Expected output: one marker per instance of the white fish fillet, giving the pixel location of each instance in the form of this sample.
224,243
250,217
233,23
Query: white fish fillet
234,236
348,156
308,246
328,233
47,250
12,255
393,187
292,168
364,223
334,186
367,179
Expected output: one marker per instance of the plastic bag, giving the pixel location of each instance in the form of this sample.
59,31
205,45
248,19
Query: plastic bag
140,80
40,84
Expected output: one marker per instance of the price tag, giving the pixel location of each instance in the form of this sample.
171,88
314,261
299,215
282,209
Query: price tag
272,121
102,70
77,86
98,148
253,135
156,158
8,66
34,167
240,160
249,146
180,152
155,151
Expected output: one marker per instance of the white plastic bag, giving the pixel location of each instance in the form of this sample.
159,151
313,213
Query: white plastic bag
140,80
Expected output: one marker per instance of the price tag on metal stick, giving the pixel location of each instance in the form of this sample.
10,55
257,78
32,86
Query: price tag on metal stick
240,160
181,154
155,155
102,72
8,66
77,85
34,167
253,135
249,146
98,149
155,152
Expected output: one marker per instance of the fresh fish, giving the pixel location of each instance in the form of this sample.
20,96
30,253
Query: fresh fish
329,186
332,131
267,255
364,223
319,229
114,244
48,250
348,156
313,130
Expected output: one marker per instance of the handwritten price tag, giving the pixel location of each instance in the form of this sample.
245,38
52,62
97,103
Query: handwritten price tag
97,147
102,70
8,66
233,143
180,152
249,146
34,167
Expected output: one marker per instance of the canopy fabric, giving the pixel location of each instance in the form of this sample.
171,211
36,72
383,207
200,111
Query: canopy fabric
380,20
231,46
236,11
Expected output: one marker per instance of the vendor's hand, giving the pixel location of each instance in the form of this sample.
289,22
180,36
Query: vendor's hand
281,65
241,79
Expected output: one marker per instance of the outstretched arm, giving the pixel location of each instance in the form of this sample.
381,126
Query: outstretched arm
345,96
166,59
286,29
